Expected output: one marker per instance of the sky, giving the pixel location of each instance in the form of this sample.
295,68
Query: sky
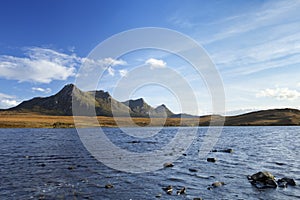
254,45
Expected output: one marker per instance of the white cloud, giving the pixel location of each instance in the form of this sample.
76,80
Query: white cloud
112,62
155,63
111,71
45,65
279,93
40,66
7,101
44,90
123,72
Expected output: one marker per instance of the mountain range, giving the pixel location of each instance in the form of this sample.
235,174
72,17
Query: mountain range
104,104
101,102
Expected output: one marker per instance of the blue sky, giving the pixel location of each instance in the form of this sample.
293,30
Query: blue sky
255,46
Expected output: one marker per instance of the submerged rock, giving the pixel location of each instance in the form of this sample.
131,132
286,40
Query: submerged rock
223,150
211,159
71,167
158,195
193,170
42,165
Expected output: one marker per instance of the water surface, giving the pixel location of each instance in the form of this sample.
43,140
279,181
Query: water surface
53,164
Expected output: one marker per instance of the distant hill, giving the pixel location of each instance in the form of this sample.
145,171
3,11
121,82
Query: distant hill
100,101
272,117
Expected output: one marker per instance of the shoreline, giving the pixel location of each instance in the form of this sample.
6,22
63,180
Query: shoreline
33,120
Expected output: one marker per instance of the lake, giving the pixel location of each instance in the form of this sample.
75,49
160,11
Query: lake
54,164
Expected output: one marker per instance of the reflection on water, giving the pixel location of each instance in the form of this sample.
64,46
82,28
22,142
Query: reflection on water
53,164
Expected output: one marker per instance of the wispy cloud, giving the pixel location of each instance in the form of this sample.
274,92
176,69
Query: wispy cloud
44,90
181,21
7,101
40,66
263,39
279,93
112,62
269,14
156,63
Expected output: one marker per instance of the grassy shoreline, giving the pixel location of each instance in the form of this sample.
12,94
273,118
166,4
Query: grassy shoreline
26,120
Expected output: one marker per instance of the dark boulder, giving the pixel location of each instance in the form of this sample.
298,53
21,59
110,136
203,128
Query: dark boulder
262,176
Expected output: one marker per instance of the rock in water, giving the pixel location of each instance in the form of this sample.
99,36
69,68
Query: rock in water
289,181
282,183
193,170
168,164
109,186
168,189
271,184
181,191
223,150
211,159
217,184
262,176
228,151
262,180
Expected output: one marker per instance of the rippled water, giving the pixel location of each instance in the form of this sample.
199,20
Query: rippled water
53,164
